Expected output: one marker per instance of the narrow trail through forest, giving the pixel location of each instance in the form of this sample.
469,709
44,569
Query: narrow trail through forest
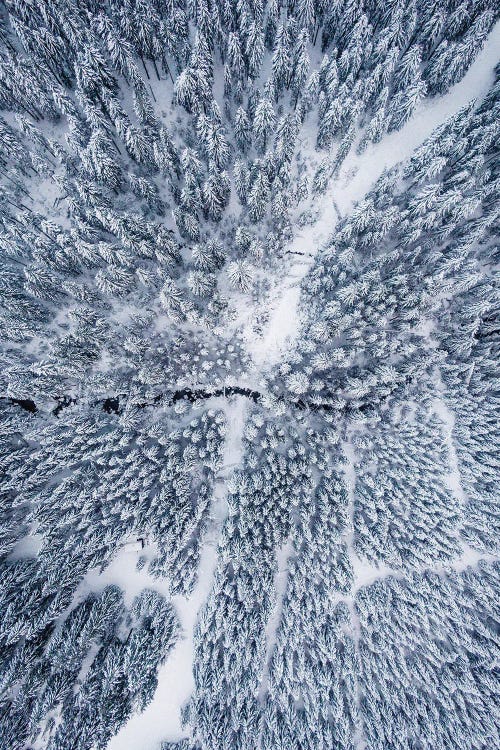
162,718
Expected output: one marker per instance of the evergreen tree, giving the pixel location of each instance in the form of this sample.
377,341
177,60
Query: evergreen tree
258,197
263,123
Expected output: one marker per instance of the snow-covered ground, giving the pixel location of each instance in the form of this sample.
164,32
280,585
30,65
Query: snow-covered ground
161,719
284,322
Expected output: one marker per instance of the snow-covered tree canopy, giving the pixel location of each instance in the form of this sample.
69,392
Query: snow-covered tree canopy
249,374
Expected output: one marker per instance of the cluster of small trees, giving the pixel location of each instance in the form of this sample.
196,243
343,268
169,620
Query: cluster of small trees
384,60
428,660
75,684
172,364
404,515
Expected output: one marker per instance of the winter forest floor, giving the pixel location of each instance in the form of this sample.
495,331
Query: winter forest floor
248,375
161,719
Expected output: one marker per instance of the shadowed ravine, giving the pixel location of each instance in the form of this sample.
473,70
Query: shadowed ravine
116,404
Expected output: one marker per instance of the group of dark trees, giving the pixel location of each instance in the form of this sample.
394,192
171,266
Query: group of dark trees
311,701
230,644
406,661
404,514
429,643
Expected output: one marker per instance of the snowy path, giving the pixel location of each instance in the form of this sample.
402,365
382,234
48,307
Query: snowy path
284,321
357,176
161,719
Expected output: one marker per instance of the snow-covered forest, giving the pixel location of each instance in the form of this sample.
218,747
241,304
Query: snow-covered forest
249,375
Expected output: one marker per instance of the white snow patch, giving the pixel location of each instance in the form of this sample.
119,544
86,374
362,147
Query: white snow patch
284,320
366,573
122,572
161,718
452,479
26,547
